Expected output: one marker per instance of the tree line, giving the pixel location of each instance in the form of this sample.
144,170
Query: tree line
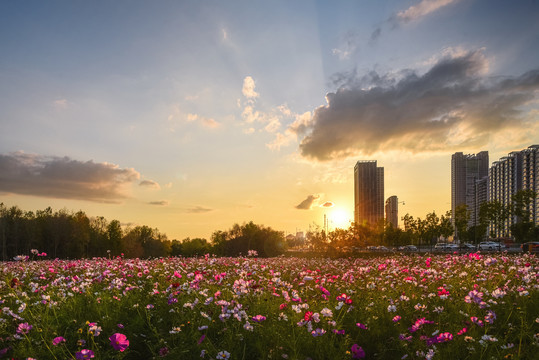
73,235
63,234
494,217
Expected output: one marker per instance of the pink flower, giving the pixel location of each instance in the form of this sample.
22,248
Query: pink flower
24,328
119,342
58,340
357,352
84,354
259,318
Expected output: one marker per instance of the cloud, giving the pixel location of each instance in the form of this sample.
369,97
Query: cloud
177,118
308,203
298,127
60,104
348,46
412,14
64,178
149,184
248,89
424,8
451,106
327,204
159,203
198,210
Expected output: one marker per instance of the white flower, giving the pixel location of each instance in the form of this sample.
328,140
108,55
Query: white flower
223,355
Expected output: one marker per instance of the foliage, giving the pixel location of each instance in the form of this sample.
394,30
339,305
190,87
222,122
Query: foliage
249,236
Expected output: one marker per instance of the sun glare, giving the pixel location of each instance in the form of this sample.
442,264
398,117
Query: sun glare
340,219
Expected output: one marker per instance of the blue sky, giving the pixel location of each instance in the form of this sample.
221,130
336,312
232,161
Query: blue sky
191,116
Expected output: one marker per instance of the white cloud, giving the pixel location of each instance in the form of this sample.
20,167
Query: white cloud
425,7
248,89
60,104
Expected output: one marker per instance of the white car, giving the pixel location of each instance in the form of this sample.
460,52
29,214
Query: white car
489,245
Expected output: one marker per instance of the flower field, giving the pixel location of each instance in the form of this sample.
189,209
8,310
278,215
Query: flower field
468,306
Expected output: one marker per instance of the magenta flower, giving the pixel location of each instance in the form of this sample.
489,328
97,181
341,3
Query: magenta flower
58,340
84,354
357,352
119,342
24,328
259,318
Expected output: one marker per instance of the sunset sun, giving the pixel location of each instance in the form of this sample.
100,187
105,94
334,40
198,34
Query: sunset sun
340,218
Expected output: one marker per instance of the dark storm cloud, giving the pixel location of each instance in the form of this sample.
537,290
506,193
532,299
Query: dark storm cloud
62,177
450,106
308,203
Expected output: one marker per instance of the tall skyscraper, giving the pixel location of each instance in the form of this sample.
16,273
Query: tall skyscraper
519,170
466,170
368,192
392,211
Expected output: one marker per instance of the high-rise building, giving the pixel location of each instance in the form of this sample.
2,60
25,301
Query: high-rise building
392,211
368,192
466,170
519,170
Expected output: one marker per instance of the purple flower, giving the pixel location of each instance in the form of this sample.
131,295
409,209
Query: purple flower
24,328
119,342
259,318
58,340
163,351
357,352
84,354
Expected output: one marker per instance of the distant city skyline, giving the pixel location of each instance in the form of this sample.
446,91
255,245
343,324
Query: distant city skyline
192,116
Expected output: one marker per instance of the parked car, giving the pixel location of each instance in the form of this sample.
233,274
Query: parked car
467,247
409,248
440,247
531,247
489,245
451,247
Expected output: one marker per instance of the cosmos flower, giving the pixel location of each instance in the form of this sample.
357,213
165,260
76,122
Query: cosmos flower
24,328
119,342
58,340
223,355
357,352
84,354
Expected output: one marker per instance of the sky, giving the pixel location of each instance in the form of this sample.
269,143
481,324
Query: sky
191,116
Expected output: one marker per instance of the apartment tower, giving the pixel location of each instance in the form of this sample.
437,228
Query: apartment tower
392,211
368,192
468,174
519,170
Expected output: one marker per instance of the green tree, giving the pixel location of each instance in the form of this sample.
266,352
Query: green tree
524,228
495,213
462,216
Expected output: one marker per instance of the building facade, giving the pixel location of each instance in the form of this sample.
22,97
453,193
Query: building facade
368,192
517,171
392,211
466,172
